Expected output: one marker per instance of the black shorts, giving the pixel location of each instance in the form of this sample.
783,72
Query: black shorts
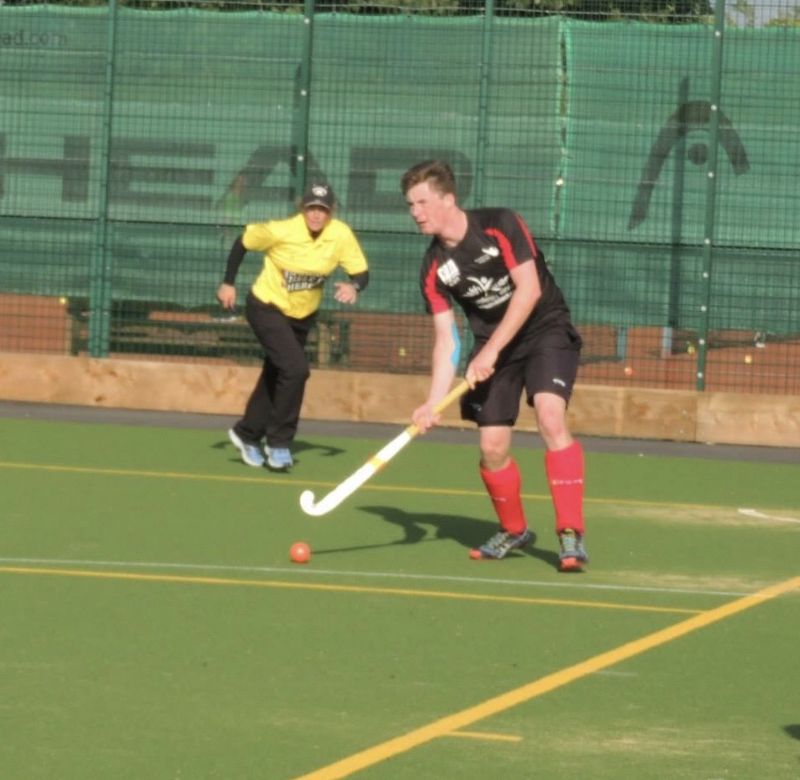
548,364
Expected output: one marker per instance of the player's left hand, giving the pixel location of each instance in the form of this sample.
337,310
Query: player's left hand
345,292
424,418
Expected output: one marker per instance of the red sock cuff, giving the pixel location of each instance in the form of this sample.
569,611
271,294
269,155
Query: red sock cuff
505,490
565,474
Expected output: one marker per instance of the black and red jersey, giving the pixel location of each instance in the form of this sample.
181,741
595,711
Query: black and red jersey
476,274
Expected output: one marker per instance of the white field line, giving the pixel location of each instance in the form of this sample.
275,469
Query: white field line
763,516
296,571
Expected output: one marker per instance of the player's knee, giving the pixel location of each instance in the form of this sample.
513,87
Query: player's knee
494,455
297,374
552,424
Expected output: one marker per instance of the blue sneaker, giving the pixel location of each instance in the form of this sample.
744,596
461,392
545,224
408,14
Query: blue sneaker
250,453
279,458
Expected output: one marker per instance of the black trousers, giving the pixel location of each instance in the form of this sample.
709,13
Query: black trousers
273,410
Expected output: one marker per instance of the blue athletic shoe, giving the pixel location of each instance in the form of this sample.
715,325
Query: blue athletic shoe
250,453
279,458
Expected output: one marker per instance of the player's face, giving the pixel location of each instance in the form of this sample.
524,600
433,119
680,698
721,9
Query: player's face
316,218
429,208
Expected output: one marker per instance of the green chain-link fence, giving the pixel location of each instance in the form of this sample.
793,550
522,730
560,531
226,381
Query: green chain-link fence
654,157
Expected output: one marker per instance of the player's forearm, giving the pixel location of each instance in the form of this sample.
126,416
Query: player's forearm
443,372
235,257
526,294
519,310
360,280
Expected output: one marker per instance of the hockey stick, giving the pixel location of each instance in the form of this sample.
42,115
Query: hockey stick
374,464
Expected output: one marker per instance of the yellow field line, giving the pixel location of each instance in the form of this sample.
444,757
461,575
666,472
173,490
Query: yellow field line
484,735
282,584
453,723
308,483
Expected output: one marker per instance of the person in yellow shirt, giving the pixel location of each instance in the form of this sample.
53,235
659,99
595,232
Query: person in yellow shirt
300,253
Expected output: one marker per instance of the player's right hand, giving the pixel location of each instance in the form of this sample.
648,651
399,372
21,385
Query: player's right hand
481,367
226,295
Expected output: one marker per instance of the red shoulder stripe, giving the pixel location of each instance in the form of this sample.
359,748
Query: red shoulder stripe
506,250
436,300
528,237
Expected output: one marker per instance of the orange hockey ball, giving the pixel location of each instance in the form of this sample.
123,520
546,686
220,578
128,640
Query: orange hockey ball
300,552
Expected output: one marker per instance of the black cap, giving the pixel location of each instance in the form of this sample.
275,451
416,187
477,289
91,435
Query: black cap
318,194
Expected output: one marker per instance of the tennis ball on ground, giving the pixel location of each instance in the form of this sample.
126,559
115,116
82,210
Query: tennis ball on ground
300,552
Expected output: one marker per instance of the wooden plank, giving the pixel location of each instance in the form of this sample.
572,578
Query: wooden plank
749,418
734,418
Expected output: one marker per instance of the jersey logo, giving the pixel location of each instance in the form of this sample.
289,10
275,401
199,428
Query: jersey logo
449,273
480,285
487,292
297,282
489,253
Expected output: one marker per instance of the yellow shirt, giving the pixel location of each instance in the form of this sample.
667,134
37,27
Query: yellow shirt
296,265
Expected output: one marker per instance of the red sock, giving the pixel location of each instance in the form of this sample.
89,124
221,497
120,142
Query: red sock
565,475
505,488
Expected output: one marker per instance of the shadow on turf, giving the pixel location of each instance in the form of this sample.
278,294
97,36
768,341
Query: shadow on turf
793,730
469,532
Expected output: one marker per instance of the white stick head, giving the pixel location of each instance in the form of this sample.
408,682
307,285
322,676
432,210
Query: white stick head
308,504
373,465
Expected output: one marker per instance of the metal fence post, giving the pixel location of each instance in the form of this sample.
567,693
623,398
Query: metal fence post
302,103
483,104
100,292
711,194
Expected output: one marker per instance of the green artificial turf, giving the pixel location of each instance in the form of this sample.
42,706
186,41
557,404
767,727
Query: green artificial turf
152,625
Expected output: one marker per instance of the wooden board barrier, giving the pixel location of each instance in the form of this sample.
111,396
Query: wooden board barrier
630,412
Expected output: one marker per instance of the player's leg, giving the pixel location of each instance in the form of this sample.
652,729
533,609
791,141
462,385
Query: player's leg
268,325
274,408
249,431
550,378
494,405
287,354
564,463
500,475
